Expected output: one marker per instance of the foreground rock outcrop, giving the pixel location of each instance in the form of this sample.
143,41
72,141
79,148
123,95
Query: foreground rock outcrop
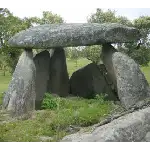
20,96
89,81
133,127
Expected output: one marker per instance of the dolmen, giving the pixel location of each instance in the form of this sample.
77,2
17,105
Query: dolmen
119,76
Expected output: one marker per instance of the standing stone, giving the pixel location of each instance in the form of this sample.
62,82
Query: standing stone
131,83
42,63
20,97
89,81
58,76
107,51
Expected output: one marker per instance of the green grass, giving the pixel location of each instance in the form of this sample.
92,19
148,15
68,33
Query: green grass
72,66
4,81
54,123
146,71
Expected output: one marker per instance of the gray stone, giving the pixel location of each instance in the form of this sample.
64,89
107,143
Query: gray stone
129,128
73,34
42,63
20,96
132,85
58,76
89,81
147,137
107,51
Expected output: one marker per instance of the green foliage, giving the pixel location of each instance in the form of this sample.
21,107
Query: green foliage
101,98
1,98
142,54
92,53
47,18
49,102
10,25
55,123
108,16
72,66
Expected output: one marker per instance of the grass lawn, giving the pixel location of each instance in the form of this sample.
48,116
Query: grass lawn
72,66
4,81
55,123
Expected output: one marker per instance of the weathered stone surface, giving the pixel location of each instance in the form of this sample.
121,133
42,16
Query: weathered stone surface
147,137
132,85
58,76
89,81
20,97
129,128
74,34
42,64
107,51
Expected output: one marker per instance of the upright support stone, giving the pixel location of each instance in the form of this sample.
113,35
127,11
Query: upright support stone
132,85
126,76
42,63
58,76
107,51
20,97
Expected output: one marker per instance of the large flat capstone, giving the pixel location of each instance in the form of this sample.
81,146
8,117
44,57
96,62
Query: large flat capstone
73,34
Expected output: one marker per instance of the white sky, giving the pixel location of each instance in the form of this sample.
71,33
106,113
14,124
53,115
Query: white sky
78,15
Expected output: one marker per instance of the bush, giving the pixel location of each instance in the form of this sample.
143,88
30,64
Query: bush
49,102
101,98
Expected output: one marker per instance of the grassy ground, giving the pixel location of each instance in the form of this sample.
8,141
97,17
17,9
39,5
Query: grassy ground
4,81
55,123
77,112
146,71
73,65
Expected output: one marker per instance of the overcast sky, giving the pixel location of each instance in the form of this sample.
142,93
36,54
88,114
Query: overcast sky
78,15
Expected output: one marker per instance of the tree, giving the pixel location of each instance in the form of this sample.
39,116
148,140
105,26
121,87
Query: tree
92,53
3,64
47,18
10,25
140,54
73,53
